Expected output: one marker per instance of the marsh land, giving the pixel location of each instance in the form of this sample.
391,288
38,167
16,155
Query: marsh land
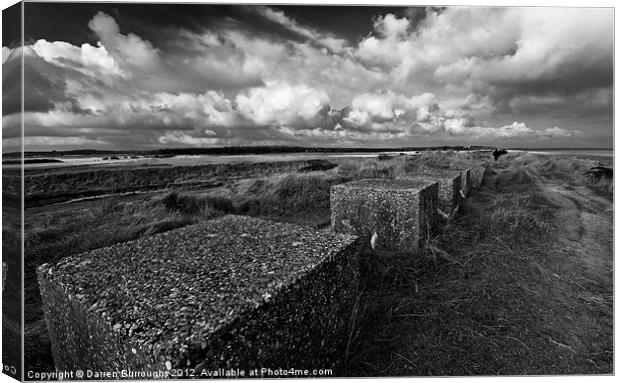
521,282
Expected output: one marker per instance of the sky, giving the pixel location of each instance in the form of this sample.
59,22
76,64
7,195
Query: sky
148,76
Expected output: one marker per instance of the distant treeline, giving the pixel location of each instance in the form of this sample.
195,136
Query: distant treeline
233,150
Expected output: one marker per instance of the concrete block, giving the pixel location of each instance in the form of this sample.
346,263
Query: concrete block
450,185
466,182
235,292
477,173
402,212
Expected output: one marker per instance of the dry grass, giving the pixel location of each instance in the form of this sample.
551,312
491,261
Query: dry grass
493,293
278,192
558,168
480,300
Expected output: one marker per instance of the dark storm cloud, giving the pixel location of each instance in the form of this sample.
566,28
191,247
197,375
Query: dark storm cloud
593,101
11,26
146,21
149,21
568,81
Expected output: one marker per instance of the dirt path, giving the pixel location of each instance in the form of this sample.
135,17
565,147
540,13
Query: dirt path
586,226
580,269
572,280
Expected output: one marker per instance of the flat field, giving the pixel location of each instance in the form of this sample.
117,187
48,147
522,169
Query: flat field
521,282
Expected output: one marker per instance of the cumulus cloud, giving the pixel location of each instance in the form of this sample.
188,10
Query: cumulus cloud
456,75
390,106
6,52
208,109
477,47
281,103
90,60
125,81
422,115
130,50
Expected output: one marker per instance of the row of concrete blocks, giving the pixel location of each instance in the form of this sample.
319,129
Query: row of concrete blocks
399,214
236,292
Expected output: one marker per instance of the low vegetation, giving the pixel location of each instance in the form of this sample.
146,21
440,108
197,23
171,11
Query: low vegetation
43,187
476,302
507,288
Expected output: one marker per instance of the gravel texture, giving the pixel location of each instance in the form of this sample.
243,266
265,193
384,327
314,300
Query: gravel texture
236,292
449,186
401,212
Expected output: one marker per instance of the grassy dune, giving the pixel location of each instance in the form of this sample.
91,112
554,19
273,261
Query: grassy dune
303,198
520,284
57,185
470,304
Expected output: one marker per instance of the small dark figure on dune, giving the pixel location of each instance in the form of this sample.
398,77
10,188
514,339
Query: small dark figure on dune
499,152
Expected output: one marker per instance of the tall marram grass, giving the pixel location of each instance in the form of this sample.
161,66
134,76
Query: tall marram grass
284,195
304,196
208,206
290,193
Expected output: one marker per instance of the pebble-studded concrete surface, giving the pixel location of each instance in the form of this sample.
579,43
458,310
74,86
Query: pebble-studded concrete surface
160,301
449,186
387,184
401,212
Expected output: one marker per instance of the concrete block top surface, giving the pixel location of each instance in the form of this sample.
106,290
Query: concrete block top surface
391,184
439,173
184,284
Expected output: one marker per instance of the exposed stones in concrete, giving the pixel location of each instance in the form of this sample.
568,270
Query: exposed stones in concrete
236,292
450,185
396,214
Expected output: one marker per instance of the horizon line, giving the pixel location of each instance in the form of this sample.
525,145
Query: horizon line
249,147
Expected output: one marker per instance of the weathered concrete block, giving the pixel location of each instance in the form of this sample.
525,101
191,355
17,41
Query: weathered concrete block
450,185
236,292
402,212
478,171
466,182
